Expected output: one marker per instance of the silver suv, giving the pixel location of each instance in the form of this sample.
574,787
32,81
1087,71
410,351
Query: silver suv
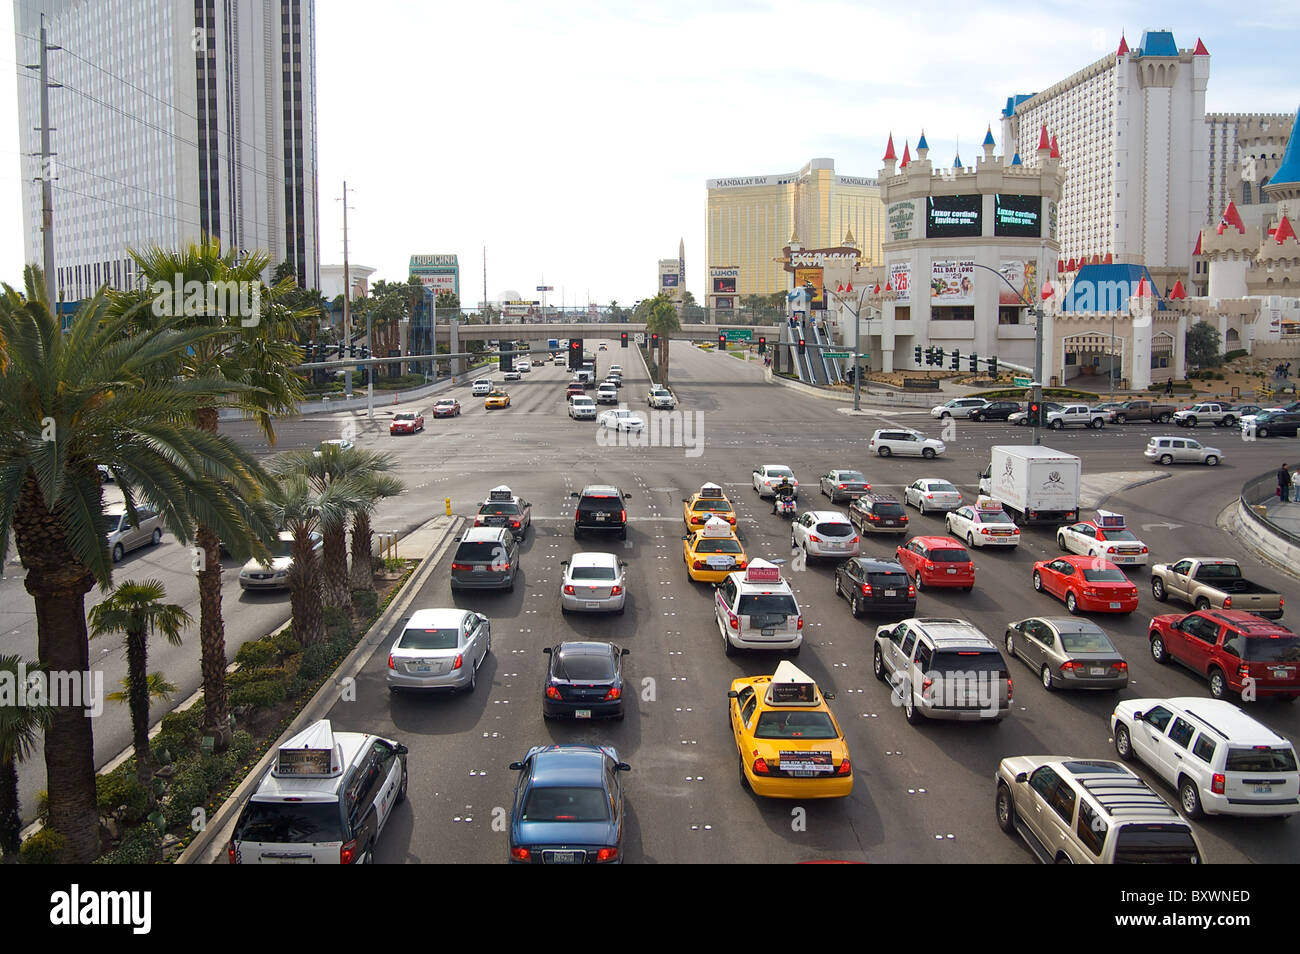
942,669
958,407
1181,450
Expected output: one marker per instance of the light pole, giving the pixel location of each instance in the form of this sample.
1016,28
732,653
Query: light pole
857,344
1037,311
1110,369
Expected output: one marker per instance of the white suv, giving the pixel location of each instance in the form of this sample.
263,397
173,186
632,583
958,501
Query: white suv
582,408
824,533
1221,761
481,387
905,442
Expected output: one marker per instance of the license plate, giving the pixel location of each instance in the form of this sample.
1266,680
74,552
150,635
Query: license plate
592,605
424,669
564,857
1097,670
952,572
480,569
802,774
602,516
1114,605
769,631
582,714
891,592
1263,789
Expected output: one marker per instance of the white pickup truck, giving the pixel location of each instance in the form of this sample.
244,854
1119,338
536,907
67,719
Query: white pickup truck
1079,415
1219,414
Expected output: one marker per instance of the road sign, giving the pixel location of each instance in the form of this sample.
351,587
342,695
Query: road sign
546,288
738,334
835,354
1022,382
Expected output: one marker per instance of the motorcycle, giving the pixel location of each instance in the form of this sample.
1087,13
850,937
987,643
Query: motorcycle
785,506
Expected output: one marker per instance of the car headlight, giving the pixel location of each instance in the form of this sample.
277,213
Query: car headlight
280,573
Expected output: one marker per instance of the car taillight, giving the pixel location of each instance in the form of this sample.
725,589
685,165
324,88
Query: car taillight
575,515
733,620
614,693
1122,666
348,852
866,589
929,565
855,540
842,486
622,515
459,660
1243,670
1008,689
231,854
925,686
514,524
760,767
461,566
606,854
984,530
553,692
569,590
872,516
813,538
1217,783
1145,550
390,661
799,625
1227,602
521,854
1016,531
903,519
615,590
1280,602
699,564
1070,665
929,496
696,520
846,768
911,590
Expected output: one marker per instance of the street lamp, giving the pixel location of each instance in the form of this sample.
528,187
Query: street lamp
1037,311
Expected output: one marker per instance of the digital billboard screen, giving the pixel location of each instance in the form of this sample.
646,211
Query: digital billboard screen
1018,215
668,280
953,216
724,286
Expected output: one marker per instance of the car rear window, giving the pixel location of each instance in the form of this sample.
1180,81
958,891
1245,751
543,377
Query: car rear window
888,578
429,639
597,503
1086,643
1219,571
592,573
995,516
1124,535
941,489
1262,759
780,472
480,552
949,660
852,477
566,804
768,604
1155,844
949,555
796,724
712,505
835,529
1271,649
888,509
499,508
290,823
579,667
718,546
1105,576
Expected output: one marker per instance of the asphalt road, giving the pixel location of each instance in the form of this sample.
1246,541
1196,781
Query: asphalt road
922,794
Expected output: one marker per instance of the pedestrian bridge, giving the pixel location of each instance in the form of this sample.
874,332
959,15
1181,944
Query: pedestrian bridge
594,330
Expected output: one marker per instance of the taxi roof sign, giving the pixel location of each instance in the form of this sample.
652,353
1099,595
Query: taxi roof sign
1108,520
711,490
988,504
716,527
501,493
760,571
790,685
312,753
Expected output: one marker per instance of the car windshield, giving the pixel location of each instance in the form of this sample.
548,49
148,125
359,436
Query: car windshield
1272,649
1263,758
720,506
281,548
289,823
429,639
405,417
1105,576
947,555
499,508
592,573
566,804
768,604
584,667
445,404
796,724
717,545
1086,642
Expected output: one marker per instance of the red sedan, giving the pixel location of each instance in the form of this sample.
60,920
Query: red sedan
1086,584
937,561
406,423
447,407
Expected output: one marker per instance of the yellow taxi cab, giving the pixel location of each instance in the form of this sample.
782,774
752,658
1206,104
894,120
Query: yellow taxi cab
789,743
698,508
712,552
497,398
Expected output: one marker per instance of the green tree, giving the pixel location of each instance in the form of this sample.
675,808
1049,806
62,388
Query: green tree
1203,345
137,611
377,486
98,394
448,303
20,729
662,320
256,361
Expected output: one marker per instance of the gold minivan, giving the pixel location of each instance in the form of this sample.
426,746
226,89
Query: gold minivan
123,538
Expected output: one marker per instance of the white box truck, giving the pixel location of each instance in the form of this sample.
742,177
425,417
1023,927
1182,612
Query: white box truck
1034,484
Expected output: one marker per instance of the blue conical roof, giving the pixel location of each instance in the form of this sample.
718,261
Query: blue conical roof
1289,170
956,162
921,143
988,138
1015,160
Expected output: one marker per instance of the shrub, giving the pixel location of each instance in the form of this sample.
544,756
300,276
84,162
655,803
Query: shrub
297,686
286,643
336,618
366,603
257,654
121,787
43,848
316,661
1235,354
214,770
187,791
180,729
140,846
259,694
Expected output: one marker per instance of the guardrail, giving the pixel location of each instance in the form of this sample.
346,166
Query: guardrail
1256,492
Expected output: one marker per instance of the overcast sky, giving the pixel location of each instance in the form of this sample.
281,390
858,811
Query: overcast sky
573,139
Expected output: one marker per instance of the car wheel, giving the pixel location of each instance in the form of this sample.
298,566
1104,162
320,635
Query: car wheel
1005,809
1166,459
1010,642
744,780
1071,602
883,452
920,584
909,711
401,789
1189,797
967,589
1191,422
878,664
1063,860
1060,542
1211,461
857,606
1218,684
729,649
1038,581
473,680
1158,652
576,533
1048,682
970,539
1165,418
1229,421
976,416
1120,418
920,505
1202,603
928,453
118,553
795,652
1158,591
793,543
1261,432
622,534
1098,423
1123,744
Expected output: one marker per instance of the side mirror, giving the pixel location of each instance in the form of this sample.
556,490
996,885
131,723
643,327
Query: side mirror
575,494
564,563
733,694
547,650
622,564
516,766
685,499
686,536
627,496
1138,716
400,749
828,696
1021,777
625,652
622,767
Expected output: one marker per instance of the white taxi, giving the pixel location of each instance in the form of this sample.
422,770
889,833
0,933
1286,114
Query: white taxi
756,609
984,525
1104,536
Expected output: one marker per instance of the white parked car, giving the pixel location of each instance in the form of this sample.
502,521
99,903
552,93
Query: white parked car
932,493
123,537
825,533
1220,760
1181,450
593,583
620,419
958,408
905,442
340,443
481,387
767,477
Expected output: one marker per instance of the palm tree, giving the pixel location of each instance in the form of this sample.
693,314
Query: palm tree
257,361
378,486
332,466
20,727
136,610
663,320
97,394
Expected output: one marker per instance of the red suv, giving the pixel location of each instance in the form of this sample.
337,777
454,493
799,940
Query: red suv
937,561
1233,649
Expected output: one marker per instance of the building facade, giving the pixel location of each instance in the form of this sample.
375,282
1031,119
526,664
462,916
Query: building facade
1133,140
751,219
1245,150
176,119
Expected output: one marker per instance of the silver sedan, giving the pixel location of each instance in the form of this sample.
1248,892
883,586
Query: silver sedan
1068,653
593,583
439,649
932,493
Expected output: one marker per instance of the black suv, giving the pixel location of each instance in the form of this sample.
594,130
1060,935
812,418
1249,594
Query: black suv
600,509
878,513
996,411
876,586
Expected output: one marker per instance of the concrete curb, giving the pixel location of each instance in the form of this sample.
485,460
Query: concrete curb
211,842
890,398
1276,552
1101,501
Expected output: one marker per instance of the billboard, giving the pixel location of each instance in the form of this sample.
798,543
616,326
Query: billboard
725,304
952,283
953,216
668,280
900,216
724,285
439,283
812,276
1022,274
1018,215
900,277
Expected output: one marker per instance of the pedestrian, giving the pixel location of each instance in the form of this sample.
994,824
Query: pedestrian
1284,483
1169,387
1295,485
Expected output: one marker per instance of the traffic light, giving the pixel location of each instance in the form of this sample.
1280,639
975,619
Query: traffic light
575,354
722,341
1035,414
341,351
654,340
956,360
918,356
974,362
993,367
762,344
623,340
365,352
803,346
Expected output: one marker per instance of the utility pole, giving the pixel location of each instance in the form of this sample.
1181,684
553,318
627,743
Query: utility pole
47,167
485,298
1038,346
347,295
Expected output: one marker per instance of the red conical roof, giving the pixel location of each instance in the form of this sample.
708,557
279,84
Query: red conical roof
1123,46
889,150
1197,250
1042,139
1056,152
1048,290
849,287
876,290
1096,259
1178,293
907,156
1060,265
1071,265
1283,231
840,288
1232,217
888,287
1200,49
1109,259
1142,290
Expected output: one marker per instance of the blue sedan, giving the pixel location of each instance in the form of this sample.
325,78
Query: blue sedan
568,806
